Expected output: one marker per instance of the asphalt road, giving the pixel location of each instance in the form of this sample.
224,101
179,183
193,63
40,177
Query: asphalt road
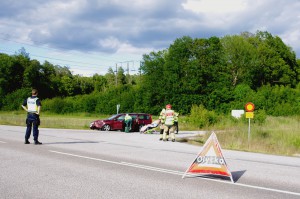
97,164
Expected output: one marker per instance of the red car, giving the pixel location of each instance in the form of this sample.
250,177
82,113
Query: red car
116,122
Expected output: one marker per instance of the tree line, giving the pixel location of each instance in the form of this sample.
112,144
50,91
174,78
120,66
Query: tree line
219,74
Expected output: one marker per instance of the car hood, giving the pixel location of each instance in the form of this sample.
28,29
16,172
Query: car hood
102,121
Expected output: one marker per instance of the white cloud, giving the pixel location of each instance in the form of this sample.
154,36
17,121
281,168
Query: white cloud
212,7
110,42
126,29
219,14
292,38
127,48
137,4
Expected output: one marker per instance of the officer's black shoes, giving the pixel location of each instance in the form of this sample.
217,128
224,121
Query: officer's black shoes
160,139
37,143
173,140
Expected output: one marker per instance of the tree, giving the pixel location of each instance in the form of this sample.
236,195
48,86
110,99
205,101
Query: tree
121,78
32,74
184,74
11,73
240,58
47,86
22,52
277,63
85,85
100,83
152,82
110,77
67,87
217,73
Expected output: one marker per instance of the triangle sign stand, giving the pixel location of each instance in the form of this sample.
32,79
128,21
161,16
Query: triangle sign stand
210,160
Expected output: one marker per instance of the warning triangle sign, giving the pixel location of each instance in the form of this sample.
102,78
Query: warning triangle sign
210,160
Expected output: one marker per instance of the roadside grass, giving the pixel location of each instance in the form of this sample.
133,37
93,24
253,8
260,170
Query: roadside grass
49,120
277,135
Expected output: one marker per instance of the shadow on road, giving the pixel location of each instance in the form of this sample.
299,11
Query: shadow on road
236,175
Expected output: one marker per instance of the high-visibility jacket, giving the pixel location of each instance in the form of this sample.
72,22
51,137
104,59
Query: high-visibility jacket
169,117
32,105
127,118
162,116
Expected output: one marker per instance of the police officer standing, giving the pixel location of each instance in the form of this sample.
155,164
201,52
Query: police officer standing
33,107
169,118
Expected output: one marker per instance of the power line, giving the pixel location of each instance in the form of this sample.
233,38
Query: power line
91,66
48,48
58,50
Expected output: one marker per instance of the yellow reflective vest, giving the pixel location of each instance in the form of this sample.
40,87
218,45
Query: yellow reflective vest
31,105
169,117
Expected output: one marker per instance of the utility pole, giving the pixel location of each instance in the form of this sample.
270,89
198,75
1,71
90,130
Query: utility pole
116,76
128,68
140,70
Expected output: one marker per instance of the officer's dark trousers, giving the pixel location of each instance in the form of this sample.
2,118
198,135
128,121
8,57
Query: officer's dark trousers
32,121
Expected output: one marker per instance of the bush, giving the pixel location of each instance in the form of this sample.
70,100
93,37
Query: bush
260,117
201,117
57,105
13,101
296,143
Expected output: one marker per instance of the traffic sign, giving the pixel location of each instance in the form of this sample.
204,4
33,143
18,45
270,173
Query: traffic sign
210,160
250,115
249,107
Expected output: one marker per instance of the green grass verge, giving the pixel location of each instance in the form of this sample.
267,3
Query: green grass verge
49,120
277,135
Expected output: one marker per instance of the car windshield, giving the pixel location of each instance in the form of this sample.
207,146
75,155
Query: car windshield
112,117
121,118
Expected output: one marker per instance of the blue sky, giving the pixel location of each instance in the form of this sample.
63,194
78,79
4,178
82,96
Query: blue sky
89,36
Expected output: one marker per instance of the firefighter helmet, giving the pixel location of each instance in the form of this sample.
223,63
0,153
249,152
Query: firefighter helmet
168,106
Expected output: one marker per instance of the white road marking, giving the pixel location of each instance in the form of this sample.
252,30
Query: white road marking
2,142
173,172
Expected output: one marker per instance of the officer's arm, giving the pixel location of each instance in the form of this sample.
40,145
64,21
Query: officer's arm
24,107
38,110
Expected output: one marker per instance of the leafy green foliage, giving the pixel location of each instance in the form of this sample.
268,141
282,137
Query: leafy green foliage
14,100
260,116
296,142
201,117
206,76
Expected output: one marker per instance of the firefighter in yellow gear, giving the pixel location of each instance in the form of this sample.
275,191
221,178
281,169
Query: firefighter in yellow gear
162,122
169,123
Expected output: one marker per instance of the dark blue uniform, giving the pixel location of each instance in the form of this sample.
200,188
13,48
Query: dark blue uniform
32,119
